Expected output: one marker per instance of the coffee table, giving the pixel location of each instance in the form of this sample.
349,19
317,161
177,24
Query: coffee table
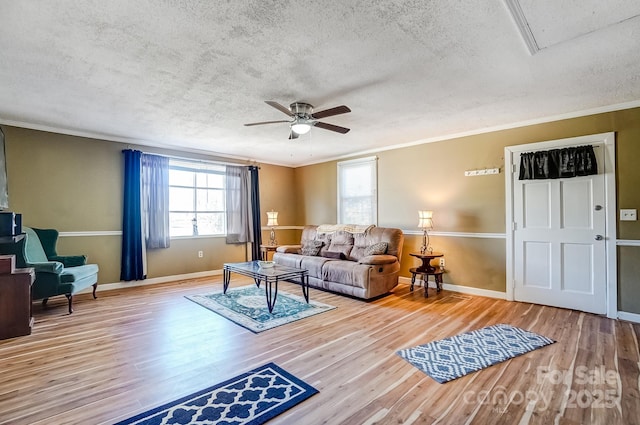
270,275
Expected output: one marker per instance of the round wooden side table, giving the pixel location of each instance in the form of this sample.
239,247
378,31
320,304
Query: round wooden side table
426,269
265,249
436,273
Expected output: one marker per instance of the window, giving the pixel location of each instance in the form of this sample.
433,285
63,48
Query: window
196,198
357,191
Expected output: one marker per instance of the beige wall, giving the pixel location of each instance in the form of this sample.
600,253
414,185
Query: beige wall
431,176
74,184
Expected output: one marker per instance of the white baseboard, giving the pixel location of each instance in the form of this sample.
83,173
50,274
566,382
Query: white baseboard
151,281
630,317
623,315
462,289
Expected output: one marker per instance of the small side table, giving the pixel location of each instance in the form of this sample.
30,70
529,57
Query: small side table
436,273
426,269
265,249
426,260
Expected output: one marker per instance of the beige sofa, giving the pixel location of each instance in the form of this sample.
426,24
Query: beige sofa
347,259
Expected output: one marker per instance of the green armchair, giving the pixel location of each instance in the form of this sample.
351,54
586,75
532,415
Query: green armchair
55,274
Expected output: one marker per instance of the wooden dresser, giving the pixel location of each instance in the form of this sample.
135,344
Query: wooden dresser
15,298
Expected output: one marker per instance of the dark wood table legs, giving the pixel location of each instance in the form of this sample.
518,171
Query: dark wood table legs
270,277
436,273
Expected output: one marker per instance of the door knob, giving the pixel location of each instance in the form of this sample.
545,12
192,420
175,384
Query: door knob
598,207
599,237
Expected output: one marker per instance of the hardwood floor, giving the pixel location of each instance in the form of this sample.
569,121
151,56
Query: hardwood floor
131,350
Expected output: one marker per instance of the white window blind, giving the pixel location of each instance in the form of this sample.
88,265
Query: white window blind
357,191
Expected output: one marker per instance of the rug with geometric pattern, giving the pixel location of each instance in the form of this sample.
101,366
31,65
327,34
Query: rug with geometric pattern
249,399
456,356
247,306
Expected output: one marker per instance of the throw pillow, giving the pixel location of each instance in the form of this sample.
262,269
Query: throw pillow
326,239
342,242
376,249
334,255
311,248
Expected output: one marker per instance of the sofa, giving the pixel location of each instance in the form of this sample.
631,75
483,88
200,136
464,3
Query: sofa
360,261
55,274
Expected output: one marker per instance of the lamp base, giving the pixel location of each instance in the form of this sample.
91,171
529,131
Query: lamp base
425,248
272,238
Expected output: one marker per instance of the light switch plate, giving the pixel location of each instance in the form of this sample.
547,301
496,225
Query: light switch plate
628,215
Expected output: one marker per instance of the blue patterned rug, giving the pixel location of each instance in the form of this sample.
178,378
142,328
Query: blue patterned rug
249,399
247,306
453,357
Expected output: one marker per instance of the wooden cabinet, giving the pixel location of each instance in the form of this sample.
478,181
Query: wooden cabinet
15,298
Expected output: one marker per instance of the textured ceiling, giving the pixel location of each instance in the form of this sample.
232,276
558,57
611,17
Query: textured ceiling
189,74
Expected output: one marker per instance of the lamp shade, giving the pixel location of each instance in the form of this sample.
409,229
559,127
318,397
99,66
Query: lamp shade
272,218
425,219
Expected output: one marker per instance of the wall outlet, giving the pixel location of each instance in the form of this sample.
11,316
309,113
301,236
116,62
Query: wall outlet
628,215
200,254
442,263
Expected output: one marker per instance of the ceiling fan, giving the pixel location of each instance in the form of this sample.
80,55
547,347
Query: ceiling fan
303,118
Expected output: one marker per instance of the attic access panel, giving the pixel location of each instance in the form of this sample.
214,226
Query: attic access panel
545,24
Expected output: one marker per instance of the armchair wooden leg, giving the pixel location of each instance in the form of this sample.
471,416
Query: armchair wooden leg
44,302
70,298
95,286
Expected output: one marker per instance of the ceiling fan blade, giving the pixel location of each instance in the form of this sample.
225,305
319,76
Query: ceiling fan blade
329,112
279,107
293,135
332,127
265,122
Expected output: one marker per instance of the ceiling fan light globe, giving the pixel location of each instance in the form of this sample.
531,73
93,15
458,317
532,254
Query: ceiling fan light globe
300,128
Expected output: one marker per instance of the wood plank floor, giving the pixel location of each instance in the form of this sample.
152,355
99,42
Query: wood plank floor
131,350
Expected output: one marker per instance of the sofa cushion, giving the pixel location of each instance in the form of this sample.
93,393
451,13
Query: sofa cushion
333,255
342,242
312,247
347,273
313,265
74,274
288,259
376,249
378,259
291,249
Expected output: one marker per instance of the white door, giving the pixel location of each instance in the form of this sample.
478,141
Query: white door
559,240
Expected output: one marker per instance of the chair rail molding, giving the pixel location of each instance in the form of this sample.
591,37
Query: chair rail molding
628,242
459,234
92,233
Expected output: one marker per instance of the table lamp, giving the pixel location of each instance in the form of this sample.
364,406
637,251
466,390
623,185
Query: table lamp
272,221
425,222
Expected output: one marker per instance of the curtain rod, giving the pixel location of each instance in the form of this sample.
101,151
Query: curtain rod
182,158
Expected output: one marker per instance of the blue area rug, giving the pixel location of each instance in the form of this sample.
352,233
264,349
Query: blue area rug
249,399
453,357
247,306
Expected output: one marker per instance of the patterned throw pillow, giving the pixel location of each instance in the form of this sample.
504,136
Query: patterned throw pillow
376,249
311,248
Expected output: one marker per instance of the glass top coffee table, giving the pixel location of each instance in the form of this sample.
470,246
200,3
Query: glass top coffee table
270,275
